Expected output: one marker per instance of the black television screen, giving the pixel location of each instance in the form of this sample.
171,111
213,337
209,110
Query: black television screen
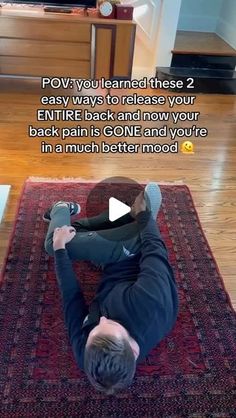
59,3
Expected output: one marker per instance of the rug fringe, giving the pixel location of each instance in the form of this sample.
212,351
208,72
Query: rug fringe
80,179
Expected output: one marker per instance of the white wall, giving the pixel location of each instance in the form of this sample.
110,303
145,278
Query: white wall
200,15
4,192
168,23
226,26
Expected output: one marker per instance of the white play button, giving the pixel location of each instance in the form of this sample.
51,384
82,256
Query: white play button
117,209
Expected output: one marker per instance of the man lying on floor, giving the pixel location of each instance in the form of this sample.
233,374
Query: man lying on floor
136,303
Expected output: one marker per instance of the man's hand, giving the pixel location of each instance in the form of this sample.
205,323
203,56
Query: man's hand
139,205
62,236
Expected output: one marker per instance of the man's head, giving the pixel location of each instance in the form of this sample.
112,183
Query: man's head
110,357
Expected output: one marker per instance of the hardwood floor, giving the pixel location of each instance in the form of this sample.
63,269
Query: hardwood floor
210,172
202,43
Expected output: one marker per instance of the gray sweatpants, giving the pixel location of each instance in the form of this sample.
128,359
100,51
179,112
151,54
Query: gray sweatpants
112,246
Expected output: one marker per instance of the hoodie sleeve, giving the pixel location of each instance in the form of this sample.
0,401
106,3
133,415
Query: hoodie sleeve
74,306
155,283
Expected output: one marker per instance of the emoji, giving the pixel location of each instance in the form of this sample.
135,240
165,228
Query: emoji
187,147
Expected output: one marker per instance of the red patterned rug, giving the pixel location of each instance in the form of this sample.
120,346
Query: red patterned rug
192,373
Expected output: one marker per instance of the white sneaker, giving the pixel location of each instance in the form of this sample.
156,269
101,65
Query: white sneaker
153,198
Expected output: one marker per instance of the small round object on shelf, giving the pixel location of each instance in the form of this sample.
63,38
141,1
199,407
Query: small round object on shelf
106,9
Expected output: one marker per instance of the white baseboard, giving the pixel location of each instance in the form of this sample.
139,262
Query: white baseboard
4,193
226,32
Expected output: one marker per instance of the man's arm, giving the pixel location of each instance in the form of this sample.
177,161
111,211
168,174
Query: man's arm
74,306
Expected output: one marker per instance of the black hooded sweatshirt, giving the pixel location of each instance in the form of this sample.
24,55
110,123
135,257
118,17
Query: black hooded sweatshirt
140,293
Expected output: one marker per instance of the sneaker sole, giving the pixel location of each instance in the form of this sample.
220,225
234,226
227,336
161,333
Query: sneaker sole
156,200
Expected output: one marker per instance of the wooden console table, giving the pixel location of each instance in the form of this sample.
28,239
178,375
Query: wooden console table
35,44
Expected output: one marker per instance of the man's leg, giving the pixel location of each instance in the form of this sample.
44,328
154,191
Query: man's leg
88,245
125,227
113,245
101,222
131,246
59,216
118,231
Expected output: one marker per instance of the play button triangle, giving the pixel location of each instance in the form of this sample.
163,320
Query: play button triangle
117,209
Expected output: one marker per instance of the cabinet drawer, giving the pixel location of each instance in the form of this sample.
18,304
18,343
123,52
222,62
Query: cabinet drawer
38,68
40,29
44,49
